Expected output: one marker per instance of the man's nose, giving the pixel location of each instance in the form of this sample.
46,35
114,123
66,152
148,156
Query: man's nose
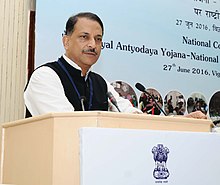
92,43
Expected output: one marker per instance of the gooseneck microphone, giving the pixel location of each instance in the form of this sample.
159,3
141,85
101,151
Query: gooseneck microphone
83,99
216,122
112,100
141,88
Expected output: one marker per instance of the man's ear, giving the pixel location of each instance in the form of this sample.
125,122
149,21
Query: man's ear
65,41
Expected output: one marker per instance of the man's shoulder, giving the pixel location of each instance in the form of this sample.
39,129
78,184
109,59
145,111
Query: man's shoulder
42,75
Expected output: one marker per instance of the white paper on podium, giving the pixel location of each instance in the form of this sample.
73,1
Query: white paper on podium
124,157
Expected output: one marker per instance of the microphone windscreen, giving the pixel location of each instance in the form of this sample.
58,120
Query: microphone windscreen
140,87
216,122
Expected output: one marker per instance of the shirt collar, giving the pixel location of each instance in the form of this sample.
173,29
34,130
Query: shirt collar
73,64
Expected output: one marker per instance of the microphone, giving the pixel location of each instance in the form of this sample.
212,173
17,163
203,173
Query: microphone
141,88
82,100
216,122
112,100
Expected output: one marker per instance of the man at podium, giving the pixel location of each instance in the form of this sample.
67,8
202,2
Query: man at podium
69,84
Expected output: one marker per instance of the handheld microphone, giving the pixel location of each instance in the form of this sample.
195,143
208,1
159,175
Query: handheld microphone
83,99
141,88
112,100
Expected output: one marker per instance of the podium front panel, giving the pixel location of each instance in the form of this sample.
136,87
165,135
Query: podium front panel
128,157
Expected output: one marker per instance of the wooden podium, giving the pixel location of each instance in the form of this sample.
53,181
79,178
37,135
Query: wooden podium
44,150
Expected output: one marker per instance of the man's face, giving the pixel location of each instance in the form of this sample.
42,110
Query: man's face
83,46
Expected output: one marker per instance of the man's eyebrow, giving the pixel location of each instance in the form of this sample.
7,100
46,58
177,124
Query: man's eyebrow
86,33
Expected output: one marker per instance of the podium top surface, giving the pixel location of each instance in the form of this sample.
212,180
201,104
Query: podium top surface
114,117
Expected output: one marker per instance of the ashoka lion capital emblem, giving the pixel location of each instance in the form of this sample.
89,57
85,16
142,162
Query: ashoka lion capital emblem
160,154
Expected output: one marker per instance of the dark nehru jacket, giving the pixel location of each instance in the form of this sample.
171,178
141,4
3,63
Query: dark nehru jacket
94,87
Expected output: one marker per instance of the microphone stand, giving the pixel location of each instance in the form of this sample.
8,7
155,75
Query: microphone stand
83,98
113,100
157,105
117,107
